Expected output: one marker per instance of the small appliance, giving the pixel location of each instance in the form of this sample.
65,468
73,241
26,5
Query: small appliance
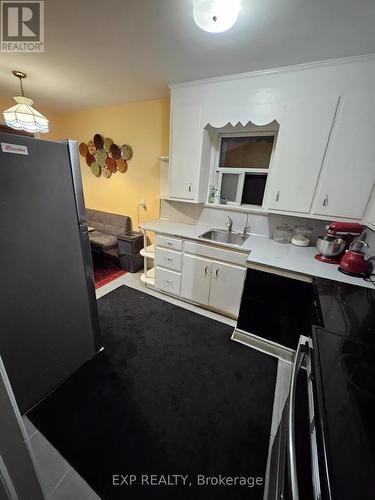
354,262
337,239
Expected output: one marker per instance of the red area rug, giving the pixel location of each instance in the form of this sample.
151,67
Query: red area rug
104,275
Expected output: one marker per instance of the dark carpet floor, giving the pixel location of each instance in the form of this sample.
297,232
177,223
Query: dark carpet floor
170,394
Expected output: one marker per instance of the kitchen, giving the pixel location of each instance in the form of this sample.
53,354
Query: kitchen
242,348
319,166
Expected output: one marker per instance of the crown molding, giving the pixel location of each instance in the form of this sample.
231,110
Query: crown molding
283,69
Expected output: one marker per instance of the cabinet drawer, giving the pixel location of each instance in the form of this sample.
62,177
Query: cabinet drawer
168,258
168,281
212,252
164,241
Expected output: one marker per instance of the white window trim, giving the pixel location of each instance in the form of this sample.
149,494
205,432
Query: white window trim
217,172
240,185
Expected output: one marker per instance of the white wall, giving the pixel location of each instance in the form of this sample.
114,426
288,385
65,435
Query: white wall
262,224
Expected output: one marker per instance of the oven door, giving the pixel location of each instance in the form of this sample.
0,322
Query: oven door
294,464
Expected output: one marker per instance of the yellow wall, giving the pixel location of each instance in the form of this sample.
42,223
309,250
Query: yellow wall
142,125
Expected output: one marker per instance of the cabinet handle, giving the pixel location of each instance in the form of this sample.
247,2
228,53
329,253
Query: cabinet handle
169,282
278,195
190,187
169,259
206,270
169,243
325,200
217,273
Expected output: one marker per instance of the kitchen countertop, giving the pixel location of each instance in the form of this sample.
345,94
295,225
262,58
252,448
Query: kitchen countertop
263,251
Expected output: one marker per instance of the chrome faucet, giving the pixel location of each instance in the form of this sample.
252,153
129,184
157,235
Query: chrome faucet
229,224
246,231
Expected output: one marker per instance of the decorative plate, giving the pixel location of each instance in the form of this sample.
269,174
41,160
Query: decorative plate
95,169
100,157
115,152
107,173
91,147
89,159
121,165
107,144
98,141
82,148
126,152
110,163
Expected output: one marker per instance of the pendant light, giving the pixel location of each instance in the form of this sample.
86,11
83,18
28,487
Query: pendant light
23,116
216,16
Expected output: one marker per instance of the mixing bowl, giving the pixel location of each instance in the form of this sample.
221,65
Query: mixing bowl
330,246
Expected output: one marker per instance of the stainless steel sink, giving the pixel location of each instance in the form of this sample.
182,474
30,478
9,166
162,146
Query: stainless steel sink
225,237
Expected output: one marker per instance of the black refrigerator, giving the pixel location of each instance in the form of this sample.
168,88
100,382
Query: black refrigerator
48,314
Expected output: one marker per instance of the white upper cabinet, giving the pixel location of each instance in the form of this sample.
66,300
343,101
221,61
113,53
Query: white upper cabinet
302,140
185,152
349,167
369,218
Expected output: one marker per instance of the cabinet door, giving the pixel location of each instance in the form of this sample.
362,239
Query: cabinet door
349,168
299,152
226,287
185,152
196,276
369,218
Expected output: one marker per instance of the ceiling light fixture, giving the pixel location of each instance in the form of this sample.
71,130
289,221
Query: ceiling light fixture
216,16
23,116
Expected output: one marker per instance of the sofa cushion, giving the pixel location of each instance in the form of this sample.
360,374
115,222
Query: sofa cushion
102,241
107,223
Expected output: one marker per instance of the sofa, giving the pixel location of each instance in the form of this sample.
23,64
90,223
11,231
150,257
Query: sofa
107,229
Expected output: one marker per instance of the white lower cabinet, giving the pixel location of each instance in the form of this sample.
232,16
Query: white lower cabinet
216,284
167,281
194,273
196,278
226,287
168,258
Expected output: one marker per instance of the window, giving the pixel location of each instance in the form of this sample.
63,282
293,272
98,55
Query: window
246,152
253,189
242,167
229,186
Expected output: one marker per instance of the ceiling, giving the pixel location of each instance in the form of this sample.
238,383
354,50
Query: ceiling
99,53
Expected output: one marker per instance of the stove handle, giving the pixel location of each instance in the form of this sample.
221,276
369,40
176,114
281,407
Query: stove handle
298,360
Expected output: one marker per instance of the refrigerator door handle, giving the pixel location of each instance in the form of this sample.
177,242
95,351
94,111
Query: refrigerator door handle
87,260
77,181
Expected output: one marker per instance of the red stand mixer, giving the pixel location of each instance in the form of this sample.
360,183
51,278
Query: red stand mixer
337,239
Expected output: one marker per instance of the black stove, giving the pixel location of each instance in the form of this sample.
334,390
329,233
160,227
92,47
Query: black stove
324,448
344,366
345,385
